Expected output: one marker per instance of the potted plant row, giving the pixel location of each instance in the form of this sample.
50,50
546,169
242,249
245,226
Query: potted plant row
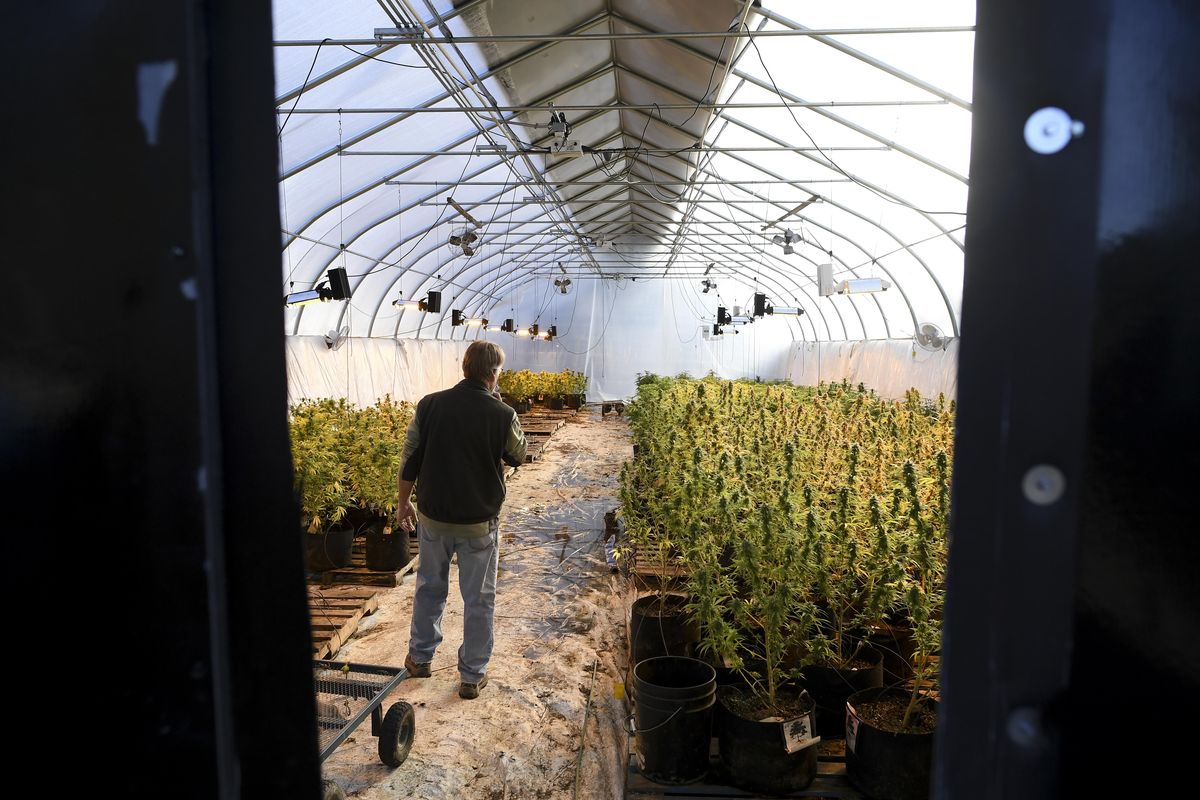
345,461
807,521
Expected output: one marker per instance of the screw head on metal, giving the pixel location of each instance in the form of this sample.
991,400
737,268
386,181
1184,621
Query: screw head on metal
1043,484
1049,129
1024,727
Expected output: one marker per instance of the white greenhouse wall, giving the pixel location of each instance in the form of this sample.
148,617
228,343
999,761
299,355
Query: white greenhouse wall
889,367
364,370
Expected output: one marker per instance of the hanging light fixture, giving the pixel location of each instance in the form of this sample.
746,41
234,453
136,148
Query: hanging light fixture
335,287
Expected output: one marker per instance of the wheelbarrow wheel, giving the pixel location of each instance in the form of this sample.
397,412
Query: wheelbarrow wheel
331,791
396,734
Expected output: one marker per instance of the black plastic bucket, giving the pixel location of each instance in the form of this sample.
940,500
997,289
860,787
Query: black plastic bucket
387,549
673,699
753,753
653,633
829,688
329,550
882,764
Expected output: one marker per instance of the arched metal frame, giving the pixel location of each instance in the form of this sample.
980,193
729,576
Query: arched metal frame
636,211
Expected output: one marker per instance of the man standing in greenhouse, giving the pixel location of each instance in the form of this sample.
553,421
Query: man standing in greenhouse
457,443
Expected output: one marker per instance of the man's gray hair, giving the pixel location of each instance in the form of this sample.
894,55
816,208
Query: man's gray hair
481,361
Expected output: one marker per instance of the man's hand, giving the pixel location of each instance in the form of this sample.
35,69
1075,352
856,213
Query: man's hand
406,517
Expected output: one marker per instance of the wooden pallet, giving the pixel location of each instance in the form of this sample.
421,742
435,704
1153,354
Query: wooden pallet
648,565
334,614
831,780
533,451
358,574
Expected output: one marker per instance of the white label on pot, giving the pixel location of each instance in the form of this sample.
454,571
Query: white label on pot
798,733
851,727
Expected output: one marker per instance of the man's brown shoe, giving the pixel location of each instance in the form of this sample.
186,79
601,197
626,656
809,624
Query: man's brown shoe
469,691
416,670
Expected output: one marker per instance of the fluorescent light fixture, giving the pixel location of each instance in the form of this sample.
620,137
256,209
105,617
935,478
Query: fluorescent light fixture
303,298
476,322
408,305
522,332
863,285
494,329
491,148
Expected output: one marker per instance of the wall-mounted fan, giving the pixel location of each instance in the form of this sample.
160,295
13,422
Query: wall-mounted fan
335,339
930,337
462,242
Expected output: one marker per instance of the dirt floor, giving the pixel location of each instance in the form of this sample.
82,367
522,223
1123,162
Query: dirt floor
560,618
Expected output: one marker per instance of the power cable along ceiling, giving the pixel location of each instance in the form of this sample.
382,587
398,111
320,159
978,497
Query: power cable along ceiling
672,153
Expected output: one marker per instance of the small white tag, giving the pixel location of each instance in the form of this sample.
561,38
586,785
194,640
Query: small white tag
798,733
851,727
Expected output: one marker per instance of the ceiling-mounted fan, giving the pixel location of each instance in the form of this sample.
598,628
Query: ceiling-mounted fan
462,242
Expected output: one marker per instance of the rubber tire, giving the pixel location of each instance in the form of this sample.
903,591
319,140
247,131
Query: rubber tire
331,791
396,734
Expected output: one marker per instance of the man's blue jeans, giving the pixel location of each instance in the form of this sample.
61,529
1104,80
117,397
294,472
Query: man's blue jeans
477,557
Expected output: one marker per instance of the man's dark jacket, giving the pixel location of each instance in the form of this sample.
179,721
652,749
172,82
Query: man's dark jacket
463,432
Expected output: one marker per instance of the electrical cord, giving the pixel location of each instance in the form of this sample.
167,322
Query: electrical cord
303,86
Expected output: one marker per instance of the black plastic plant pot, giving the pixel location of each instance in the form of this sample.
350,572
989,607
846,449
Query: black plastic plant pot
755,754
574,401
660,626
672,705
555,403
330,550
387,549
830,686
883,764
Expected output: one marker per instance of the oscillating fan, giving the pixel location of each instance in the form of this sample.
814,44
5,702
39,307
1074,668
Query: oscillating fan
335,339
462,242
930,337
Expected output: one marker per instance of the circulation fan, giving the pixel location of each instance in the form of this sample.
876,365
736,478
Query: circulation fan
930,337
562,284
334,339
462,242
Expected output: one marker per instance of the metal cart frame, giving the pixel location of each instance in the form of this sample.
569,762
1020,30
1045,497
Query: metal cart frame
395,729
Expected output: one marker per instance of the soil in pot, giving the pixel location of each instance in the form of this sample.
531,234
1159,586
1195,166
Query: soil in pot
755,739
830,686
660,626
883,759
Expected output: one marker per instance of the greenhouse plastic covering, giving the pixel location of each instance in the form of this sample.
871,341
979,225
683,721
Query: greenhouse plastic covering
696,153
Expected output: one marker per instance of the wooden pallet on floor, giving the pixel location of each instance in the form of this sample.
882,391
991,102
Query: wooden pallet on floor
334,614
533,451
647,564
357,572
831,780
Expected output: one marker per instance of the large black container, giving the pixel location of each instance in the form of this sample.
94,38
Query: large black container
673,699
659,626
882,764
329,550
387,549
753,752
830,687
